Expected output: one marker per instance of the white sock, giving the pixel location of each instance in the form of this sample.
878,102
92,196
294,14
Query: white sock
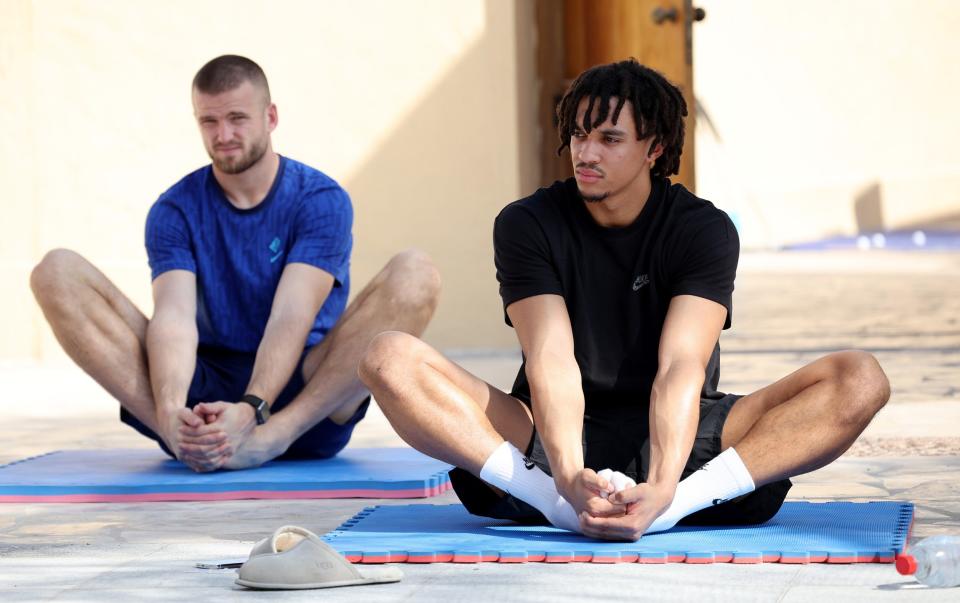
718,481
618,480
508,470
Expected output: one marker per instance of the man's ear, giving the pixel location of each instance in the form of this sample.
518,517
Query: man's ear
655,151
272,116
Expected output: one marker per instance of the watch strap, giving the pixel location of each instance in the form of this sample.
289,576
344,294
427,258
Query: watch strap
260,407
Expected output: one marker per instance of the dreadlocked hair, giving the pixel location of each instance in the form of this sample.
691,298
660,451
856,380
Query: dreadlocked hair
658,108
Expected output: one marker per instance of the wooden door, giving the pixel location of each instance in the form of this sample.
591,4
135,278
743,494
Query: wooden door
577,34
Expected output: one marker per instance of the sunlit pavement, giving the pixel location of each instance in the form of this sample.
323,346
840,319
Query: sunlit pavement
789,309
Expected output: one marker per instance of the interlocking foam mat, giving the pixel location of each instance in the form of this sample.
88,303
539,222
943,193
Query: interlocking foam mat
802,532
135,475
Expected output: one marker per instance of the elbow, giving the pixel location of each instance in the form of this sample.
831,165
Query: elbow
682,363
292,321
552,371
542,361
680,369
167,327
294,314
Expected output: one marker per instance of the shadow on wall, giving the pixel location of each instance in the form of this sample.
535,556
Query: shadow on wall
444,200
945,222
868,209
938,233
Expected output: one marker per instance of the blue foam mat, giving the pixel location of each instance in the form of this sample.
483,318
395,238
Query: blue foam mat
900,240
142,475
802,532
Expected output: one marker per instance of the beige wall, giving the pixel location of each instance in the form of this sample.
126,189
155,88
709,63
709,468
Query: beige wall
412,106
819,104
18,243
425,111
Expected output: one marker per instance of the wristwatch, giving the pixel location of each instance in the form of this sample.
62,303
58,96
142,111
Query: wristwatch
260,407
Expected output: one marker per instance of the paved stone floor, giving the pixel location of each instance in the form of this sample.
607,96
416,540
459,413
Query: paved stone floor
789,309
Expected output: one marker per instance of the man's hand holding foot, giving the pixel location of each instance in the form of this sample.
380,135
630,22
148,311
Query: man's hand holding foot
246,444
587,493
194,443
203,443
223,430
261,445
644,503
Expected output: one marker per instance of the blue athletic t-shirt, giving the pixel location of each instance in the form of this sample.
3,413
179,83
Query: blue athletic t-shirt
238,255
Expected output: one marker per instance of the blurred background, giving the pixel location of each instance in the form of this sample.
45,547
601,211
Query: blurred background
813,124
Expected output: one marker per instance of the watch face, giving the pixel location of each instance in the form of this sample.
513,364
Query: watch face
260,408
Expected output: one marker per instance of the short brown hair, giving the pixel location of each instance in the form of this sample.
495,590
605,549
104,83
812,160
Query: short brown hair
227,72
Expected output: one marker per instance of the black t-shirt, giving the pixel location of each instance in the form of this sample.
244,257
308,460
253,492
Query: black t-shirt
617,282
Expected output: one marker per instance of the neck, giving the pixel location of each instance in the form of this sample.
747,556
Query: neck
250,187
623,207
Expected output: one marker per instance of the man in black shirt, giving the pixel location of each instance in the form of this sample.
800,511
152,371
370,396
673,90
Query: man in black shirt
618,284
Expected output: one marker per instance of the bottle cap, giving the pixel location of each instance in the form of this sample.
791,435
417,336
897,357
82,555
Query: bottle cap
906,565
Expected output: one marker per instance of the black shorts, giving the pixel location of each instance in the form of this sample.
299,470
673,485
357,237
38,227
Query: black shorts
610,440
223,375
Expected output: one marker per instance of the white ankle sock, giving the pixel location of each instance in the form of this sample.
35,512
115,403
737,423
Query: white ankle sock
718,481
508,470
618,480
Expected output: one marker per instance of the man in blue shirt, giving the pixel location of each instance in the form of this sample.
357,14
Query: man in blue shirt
251,352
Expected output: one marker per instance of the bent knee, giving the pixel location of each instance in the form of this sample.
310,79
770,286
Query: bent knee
864,385
55,272
413,277
410,259
386,359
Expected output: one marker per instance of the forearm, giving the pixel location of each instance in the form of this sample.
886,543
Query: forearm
278,354
558,405
674,414
172,358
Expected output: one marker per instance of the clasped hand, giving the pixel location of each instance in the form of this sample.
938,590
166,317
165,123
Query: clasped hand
611,506
212,435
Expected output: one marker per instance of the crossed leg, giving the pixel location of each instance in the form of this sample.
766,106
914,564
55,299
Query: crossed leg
105,334
807,419
98,327
402,296
445,412
798,424
438,407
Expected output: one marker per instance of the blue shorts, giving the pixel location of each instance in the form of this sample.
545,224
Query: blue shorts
224,375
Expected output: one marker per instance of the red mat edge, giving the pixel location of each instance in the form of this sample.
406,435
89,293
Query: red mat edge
231,495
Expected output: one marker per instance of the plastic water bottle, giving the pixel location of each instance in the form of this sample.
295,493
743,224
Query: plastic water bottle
934,561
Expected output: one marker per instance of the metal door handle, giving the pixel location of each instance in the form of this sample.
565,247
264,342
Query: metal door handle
661,14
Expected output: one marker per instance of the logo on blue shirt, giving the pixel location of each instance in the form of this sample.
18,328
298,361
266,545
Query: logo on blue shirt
276,249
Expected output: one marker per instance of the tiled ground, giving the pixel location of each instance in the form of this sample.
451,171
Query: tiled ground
789,309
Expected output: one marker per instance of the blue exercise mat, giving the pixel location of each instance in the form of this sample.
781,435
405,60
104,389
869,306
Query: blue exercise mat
118,475
900,240
802,532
